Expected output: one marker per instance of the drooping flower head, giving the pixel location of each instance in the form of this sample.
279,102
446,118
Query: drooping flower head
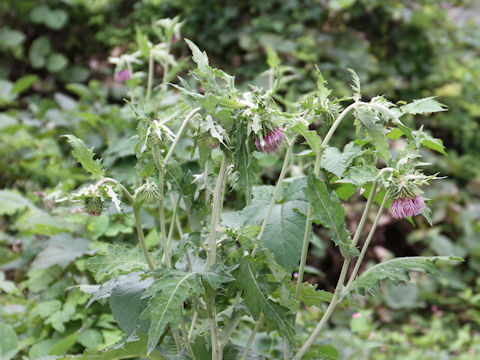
271,142
407,207
122,75
93,205
148,193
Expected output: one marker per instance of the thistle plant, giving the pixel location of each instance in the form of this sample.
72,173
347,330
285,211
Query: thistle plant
217,269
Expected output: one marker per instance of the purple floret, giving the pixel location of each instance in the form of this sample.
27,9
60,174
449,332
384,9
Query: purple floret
272,141
407,207
122,76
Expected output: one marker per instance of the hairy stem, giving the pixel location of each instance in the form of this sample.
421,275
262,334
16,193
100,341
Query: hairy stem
141,238
337,122
186,339
252,336
343,273
306,236
216,206
150,76
212,321
366,244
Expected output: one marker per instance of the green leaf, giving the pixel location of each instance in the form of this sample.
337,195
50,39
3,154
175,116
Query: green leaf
8,342
217,275
328,211
10,38
355,85
55,19
200,58
257,299
131,350
142,43
56,62
313,297
370,123
165,306
61,347
313,139
285,228
11,203
61,249
273,60
337,162
397,270
424,139
23,84
85,156
423,106
244,164
90,338
125,302
116,259
38,51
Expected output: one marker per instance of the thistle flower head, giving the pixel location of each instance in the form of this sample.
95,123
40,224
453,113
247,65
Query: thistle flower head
271,142
407,207
122,75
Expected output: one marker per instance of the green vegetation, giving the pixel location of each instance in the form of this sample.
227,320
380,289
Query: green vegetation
161,144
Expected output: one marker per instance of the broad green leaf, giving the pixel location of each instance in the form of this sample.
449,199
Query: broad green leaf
8,342
328,211
397,270
360,175
61,249
312,138
285,228
423,106
11,202
38,222
116,259
38,51
10,38
125,302
23,84
272,58
337,162
90,338
85,156
257,299
165,306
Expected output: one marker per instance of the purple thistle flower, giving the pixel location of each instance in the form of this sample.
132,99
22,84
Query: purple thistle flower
122,76
407,207
272,141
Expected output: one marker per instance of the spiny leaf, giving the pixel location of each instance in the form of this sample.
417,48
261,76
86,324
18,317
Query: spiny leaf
165,306
337,162
423,106
328,211
257,300
200,58
311,296
85,156
116,259
397,270
355,85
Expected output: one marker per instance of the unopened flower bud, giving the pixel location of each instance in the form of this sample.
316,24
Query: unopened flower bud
93,205
148,193
271,141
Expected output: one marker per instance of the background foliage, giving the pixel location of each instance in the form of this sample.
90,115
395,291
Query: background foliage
55,80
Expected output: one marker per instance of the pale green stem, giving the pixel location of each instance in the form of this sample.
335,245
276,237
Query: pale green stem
252,336
178,136
161,209
366,244
166,68
306,236
193,323
212,321
141,238
172,225
214,220
150,76
232,325
343,273
286,349
186,339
